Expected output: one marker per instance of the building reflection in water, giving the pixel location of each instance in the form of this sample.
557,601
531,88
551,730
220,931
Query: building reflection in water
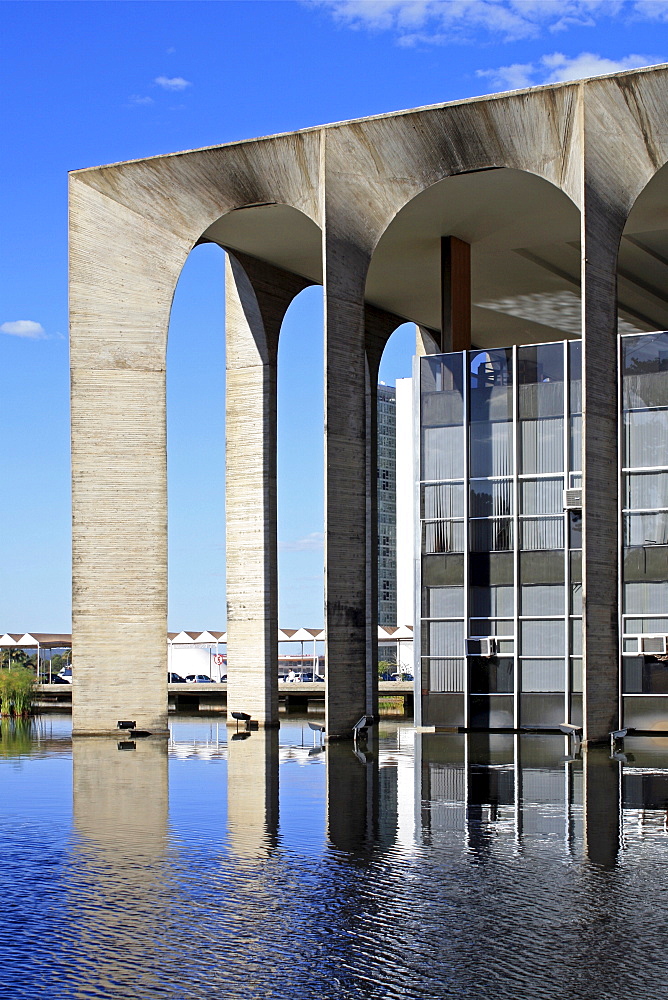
120,904
252,792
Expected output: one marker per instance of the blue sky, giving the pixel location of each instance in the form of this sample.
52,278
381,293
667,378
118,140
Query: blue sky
85,83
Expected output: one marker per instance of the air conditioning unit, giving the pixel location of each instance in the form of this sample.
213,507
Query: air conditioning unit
573,499
485,646
653,645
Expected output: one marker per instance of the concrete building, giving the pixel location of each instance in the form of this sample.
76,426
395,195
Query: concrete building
520,218
387,505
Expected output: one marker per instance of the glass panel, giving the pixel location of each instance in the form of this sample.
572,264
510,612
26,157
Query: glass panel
646,490
443,570
646,713
541,364
490,498
542,599
541,567
543,675
576,674
576,599
444,638
443,710
576,636
646,598
542,533
443,602
645,437
632,675
442,453
542,400
443,373
644,361
492,601
542,445
491,675
443,501
645,675
446,675
574,529
646,529
542,638
542,496
442,536
494,712
491,449
575,447
542,710
485,626
575,365
492,535
646,626
490,369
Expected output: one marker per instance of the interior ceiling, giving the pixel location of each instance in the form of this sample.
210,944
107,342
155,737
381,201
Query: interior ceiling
525,255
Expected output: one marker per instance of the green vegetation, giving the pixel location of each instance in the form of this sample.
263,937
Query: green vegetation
16,692
16,738
386,666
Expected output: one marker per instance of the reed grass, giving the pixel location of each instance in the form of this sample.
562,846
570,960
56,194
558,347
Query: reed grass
16,692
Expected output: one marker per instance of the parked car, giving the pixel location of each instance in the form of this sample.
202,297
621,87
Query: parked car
65,676
402,677
173,678
198,679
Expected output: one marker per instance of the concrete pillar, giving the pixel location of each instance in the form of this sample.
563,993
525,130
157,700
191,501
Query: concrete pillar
345,491
601,232
252,792
123,271
455,294
257,296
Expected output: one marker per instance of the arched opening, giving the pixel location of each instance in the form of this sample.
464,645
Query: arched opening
499,419
643,320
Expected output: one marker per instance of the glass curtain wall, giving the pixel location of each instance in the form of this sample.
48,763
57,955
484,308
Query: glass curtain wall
501,587
644,490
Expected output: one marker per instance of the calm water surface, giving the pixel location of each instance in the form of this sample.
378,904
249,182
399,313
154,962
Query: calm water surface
446,866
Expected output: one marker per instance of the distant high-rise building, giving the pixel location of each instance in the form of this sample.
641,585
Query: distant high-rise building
387,506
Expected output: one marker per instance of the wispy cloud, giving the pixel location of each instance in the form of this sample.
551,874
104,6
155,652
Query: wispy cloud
556,68
26,328
172,82
438,22
140,99
309,543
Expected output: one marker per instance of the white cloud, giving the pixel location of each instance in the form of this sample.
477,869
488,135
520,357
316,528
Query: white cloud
438,22
139,99
557,68
24,328
310,543
172,82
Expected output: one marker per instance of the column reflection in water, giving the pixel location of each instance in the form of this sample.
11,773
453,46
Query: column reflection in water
353,799
120,903
252,792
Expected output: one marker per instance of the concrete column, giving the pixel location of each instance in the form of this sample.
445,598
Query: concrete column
600,415
257,296
455,294
123,271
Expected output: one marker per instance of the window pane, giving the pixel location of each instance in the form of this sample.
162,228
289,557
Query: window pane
542,600
491,498
491,569
646,597
647,490
645,362
576,443
645,438
492,601
446,675
486,626
544,638
489,675
540,364
492,535
442,374
491,449
443,536
443,602
542,496
443,570
442,453
444,639
443,501
543,675
646,529
576,636
542,533
542,445
541,567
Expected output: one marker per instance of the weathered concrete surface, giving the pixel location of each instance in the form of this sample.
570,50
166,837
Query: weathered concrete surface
132,225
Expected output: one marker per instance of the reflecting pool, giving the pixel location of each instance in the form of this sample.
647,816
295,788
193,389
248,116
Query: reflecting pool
262,865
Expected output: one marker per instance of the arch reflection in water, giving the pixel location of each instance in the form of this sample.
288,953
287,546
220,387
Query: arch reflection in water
121,902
